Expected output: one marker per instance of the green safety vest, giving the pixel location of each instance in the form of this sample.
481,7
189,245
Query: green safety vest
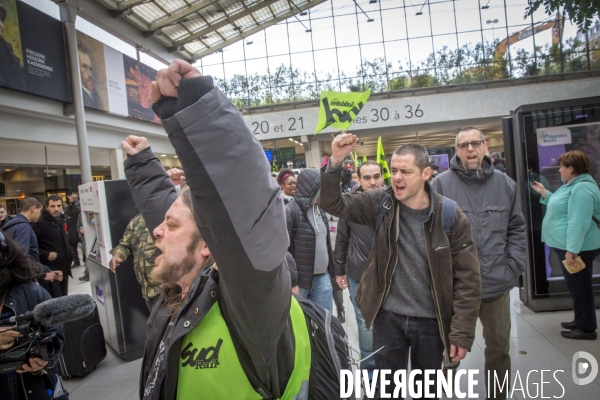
209,367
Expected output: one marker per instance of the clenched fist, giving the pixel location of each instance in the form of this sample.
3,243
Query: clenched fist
341,146
134,144
168,80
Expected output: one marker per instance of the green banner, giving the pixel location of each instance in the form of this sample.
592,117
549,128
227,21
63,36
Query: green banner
338,109
381,161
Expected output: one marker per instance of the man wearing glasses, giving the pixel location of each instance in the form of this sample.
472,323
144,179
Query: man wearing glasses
488,199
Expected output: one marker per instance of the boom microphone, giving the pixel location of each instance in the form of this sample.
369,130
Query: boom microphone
64,309
58,311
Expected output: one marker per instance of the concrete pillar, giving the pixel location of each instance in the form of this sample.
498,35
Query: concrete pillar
68,14
116,163
314,154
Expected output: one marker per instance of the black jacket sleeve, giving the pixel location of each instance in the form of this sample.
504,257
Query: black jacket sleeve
340,254
151,187
241,220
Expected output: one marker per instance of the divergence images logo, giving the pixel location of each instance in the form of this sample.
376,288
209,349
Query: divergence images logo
581,364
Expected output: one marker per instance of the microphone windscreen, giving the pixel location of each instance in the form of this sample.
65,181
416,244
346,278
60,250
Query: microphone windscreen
64,309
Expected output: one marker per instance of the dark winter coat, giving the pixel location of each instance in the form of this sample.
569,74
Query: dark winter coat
73,218
22,232
5,221
300,231
489,200
23,297
499,166
456,284
52,238
353,244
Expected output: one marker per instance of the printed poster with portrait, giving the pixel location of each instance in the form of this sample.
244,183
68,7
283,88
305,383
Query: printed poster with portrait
12,72
92,69
138,77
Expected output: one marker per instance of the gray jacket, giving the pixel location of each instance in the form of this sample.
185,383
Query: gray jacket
489,200
245,234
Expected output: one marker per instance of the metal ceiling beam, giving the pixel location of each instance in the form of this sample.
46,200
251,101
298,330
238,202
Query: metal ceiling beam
212,49
225,22
127,29
175,17
124,5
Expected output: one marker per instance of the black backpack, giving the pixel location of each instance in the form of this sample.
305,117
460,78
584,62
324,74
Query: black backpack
329,351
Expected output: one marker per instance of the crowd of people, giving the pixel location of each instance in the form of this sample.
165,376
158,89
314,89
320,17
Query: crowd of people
224,272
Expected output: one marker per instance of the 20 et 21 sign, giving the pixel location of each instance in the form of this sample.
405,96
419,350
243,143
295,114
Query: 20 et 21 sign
289,123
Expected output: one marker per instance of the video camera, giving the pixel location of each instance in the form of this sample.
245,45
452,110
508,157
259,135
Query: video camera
38,340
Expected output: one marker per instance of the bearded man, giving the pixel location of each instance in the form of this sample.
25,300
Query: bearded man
233,331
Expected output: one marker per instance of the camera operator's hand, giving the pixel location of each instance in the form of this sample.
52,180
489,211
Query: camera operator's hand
35,365
8,337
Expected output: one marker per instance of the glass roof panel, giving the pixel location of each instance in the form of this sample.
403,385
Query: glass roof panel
226,13
173,5
148,12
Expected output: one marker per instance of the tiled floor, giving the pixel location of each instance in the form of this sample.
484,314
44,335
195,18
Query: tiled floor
536,345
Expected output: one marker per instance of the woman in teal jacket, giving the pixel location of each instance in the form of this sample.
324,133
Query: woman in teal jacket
569,229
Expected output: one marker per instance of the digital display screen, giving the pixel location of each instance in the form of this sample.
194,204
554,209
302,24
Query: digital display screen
269,154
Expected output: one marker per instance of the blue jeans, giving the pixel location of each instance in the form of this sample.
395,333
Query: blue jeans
365,336
321,292
399,335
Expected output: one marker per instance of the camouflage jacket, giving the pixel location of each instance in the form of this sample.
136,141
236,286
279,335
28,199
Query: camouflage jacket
138,241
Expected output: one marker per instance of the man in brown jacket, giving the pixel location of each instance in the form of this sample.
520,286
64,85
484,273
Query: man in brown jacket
422,288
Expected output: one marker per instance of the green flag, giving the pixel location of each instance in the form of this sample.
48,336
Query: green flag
338,109
274,167
364,160
381,161
356,160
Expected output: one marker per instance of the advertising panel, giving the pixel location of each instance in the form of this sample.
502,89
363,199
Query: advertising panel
33,60
32,52
552,142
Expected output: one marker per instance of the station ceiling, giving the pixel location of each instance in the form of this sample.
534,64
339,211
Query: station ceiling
196,28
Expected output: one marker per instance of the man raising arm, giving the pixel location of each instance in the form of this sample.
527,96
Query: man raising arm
422,287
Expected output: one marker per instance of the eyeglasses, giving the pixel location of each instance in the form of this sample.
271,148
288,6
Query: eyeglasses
475,144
